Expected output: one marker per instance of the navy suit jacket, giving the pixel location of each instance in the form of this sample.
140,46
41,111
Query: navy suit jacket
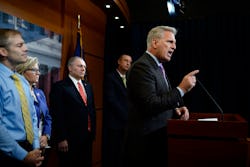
42,108
115,113
70,114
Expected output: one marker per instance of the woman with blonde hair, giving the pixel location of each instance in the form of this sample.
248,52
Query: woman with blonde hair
30,70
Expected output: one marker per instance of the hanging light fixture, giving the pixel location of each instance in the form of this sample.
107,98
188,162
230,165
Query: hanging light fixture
171,7
175,7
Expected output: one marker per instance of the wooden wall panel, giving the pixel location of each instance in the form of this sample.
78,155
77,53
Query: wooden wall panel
91,15
95,48
34,12
95,77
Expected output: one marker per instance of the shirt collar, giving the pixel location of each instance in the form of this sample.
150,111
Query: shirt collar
74,80
6,71
121,75
154,58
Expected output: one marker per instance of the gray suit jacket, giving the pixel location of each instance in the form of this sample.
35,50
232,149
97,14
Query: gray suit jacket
151,101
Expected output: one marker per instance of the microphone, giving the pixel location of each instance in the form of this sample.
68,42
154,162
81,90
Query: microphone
211,97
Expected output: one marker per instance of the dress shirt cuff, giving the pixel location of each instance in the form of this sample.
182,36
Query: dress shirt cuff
181,92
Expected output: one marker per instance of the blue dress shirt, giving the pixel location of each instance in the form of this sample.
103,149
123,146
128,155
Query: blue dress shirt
11,121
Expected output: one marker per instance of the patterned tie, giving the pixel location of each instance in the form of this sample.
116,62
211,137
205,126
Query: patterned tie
84,98
164,74
25,109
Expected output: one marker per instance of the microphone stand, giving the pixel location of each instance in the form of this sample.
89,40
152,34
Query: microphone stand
211,97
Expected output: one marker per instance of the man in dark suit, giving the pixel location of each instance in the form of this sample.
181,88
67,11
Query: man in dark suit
152,100
74,118
115,114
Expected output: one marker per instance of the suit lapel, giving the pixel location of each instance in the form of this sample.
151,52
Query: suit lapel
118,78
73,91
164,82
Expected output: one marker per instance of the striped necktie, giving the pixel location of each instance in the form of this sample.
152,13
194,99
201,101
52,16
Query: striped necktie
25,109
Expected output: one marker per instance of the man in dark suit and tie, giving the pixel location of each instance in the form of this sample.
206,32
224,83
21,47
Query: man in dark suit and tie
115,114
74,116
152,101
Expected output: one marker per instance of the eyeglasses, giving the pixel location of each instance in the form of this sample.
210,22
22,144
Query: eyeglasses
34,70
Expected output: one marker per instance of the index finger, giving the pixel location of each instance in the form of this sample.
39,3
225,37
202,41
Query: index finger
192,73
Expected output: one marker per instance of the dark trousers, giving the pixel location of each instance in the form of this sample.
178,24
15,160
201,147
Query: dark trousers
78,155
113,146
156,148
149,150
7,161
46,154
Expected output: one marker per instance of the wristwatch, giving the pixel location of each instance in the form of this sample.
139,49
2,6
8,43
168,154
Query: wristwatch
48,136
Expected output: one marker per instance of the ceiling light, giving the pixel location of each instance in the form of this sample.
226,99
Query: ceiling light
108,6
171,8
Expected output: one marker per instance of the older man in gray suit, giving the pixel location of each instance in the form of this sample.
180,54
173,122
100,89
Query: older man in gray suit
152,101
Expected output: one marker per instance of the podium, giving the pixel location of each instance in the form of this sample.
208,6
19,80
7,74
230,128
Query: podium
195,143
